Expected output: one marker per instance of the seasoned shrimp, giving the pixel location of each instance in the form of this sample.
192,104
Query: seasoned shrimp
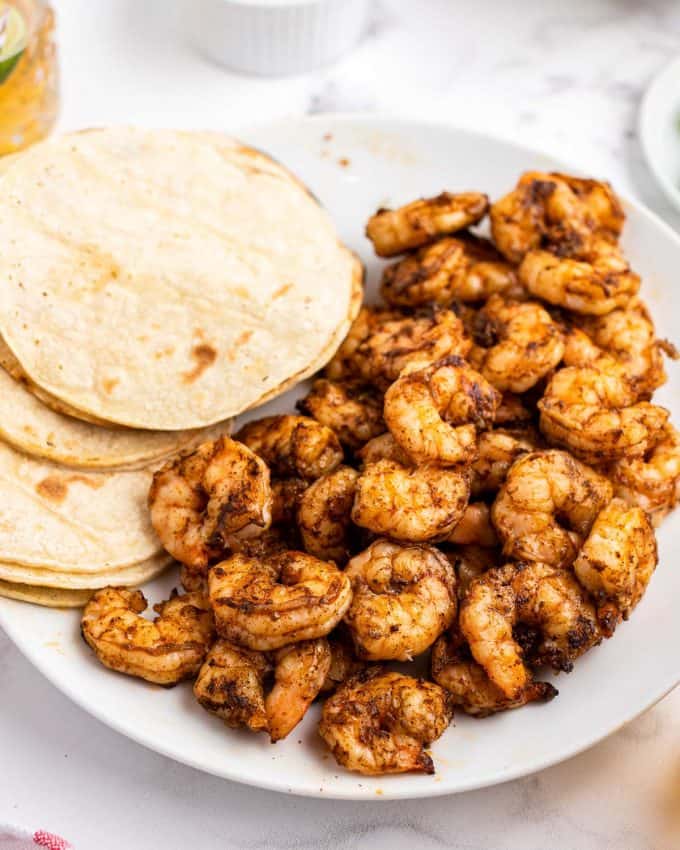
396,231
342,367
434,413
384,447
417,505
497,451
629,337
522,344
352,409
545,597
545,491
475,527
230,684
554,211
404,597
595,285
513,413
203,501
295,446
381,722
454,668
165,651
617,561
653,480
393,344
325,515
284,598
300,671
463,268
344,664
595,415
286,496
470,562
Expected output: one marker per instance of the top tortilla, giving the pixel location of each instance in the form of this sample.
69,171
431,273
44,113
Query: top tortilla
166,280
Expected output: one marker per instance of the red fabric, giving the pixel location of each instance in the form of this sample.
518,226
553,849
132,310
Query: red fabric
51,841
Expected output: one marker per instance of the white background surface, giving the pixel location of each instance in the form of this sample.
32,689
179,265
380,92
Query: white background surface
565,76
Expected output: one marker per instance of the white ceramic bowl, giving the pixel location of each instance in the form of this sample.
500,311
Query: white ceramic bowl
354,165
659,130
274,37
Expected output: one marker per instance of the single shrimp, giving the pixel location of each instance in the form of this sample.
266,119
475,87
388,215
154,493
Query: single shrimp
522,344
594,414
547,506
651,481
434,413
286,496
352,409
284,598
404,597
413,504
463,268
617,561
300,671
165,651
415,224
395,343
296,446
470,562
596,284
325,515
378,723
554,211
230,684
203,501
538,595
342,367
475,527
497,451
454,668
383,447
344,664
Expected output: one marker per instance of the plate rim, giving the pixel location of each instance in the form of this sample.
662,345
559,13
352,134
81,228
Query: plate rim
271,782
645,125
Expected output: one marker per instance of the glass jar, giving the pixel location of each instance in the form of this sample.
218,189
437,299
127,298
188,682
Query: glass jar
29,93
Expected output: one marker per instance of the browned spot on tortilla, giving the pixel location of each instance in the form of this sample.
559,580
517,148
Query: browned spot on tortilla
282,290
110,384
165,352
343,162
53,488
205,356
242,292
240,340
92,483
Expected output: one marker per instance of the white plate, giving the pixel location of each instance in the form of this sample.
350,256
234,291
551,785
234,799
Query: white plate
355,164
659,130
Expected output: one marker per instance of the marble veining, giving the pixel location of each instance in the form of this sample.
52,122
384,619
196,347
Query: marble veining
563,75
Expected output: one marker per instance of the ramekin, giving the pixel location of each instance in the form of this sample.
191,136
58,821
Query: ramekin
274,37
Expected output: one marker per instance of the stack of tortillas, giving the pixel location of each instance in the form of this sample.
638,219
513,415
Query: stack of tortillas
153,284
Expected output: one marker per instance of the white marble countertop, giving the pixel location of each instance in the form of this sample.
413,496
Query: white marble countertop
563,75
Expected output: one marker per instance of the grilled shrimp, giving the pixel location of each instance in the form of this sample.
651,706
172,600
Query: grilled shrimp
538,595
295,446
395,343
470,562
417,505
554,211
230,684
203,501
284,598
379,723
384,447
522,344
454,668
342,367
617,560
497,451
629,337
404,597
595,285
344,664
545,491
434,413
300,671
513,413
475,527
396,231
165,651
653,480
325,515
352,409
286,496
463,268
595,415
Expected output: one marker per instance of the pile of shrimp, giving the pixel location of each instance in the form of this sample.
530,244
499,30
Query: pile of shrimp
469,488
